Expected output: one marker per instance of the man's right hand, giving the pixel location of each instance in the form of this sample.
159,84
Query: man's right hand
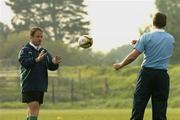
41,56
117,66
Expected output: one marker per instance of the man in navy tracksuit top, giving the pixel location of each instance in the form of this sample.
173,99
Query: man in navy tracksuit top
34,63
153,79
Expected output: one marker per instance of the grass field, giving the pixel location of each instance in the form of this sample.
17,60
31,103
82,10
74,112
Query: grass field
100,114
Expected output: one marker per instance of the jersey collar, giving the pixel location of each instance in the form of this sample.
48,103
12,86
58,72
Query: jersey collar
35,47
158,30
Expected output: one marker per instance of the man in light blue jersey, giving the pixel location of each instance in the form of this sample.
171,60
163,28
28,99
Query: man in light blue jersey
153,79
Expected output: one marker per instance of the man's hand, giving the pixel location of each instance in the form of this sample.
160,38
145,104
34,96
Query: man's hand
41,56
130,58
56,60
117,66
133,42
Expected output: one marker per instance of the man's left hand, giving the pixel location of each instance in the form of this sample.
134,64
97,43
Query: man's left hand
56,60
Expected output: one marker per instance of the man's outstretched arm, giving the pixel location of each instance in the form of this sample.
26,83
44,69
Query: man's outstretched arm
130,58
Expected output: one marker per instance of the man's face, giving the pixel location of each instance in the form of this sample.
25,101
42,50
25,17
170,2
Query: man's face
37,38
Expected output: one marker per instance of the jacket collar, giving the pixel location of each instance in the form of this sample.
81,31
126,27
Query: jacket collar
35,47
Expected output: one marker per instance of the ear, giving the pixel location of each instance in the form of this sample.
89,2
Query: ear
31,37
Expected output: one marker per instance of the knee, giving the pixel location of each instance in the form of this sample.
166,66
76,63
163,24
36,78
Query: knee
34,109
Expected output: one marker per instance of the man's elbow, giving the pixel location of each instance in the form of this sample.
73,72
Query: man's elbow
53,68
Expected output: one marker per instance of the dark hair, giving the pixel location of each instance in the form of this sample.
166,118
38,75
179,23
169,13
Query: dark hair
34,30
159,20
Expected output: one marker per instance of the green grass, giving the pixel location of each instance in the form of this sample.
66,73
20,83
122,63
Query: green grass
90,114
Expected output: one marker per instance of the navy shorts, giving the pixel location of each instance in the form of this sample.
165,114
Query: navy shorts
31,96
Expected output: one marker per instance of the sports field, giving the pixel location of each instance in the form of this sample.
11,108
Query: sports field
113,114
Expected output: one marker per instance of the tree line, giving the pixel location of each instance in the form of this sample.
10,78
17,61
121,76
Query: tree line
63,22
71,56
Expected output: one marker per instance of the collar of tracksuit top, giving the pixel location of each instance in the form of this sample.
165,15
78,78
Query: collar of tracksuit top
35,47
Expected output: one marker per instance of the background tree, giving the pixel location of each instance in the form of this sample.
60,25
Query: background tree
4,31
61,19
171,8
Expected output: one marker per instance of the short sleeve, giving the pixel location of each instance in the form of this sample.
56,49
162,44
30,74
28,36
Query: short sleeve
140,44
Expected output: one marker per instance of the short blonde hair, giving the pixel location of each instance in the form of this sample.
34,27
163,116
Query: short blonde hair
34,30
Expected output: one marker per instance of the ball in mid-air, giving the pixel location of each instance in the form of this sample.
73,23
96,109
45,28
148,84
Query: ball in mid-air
85,41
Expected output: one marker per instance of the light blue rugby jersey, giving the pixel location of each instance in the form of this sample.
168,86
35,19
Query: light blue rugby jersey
157,47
